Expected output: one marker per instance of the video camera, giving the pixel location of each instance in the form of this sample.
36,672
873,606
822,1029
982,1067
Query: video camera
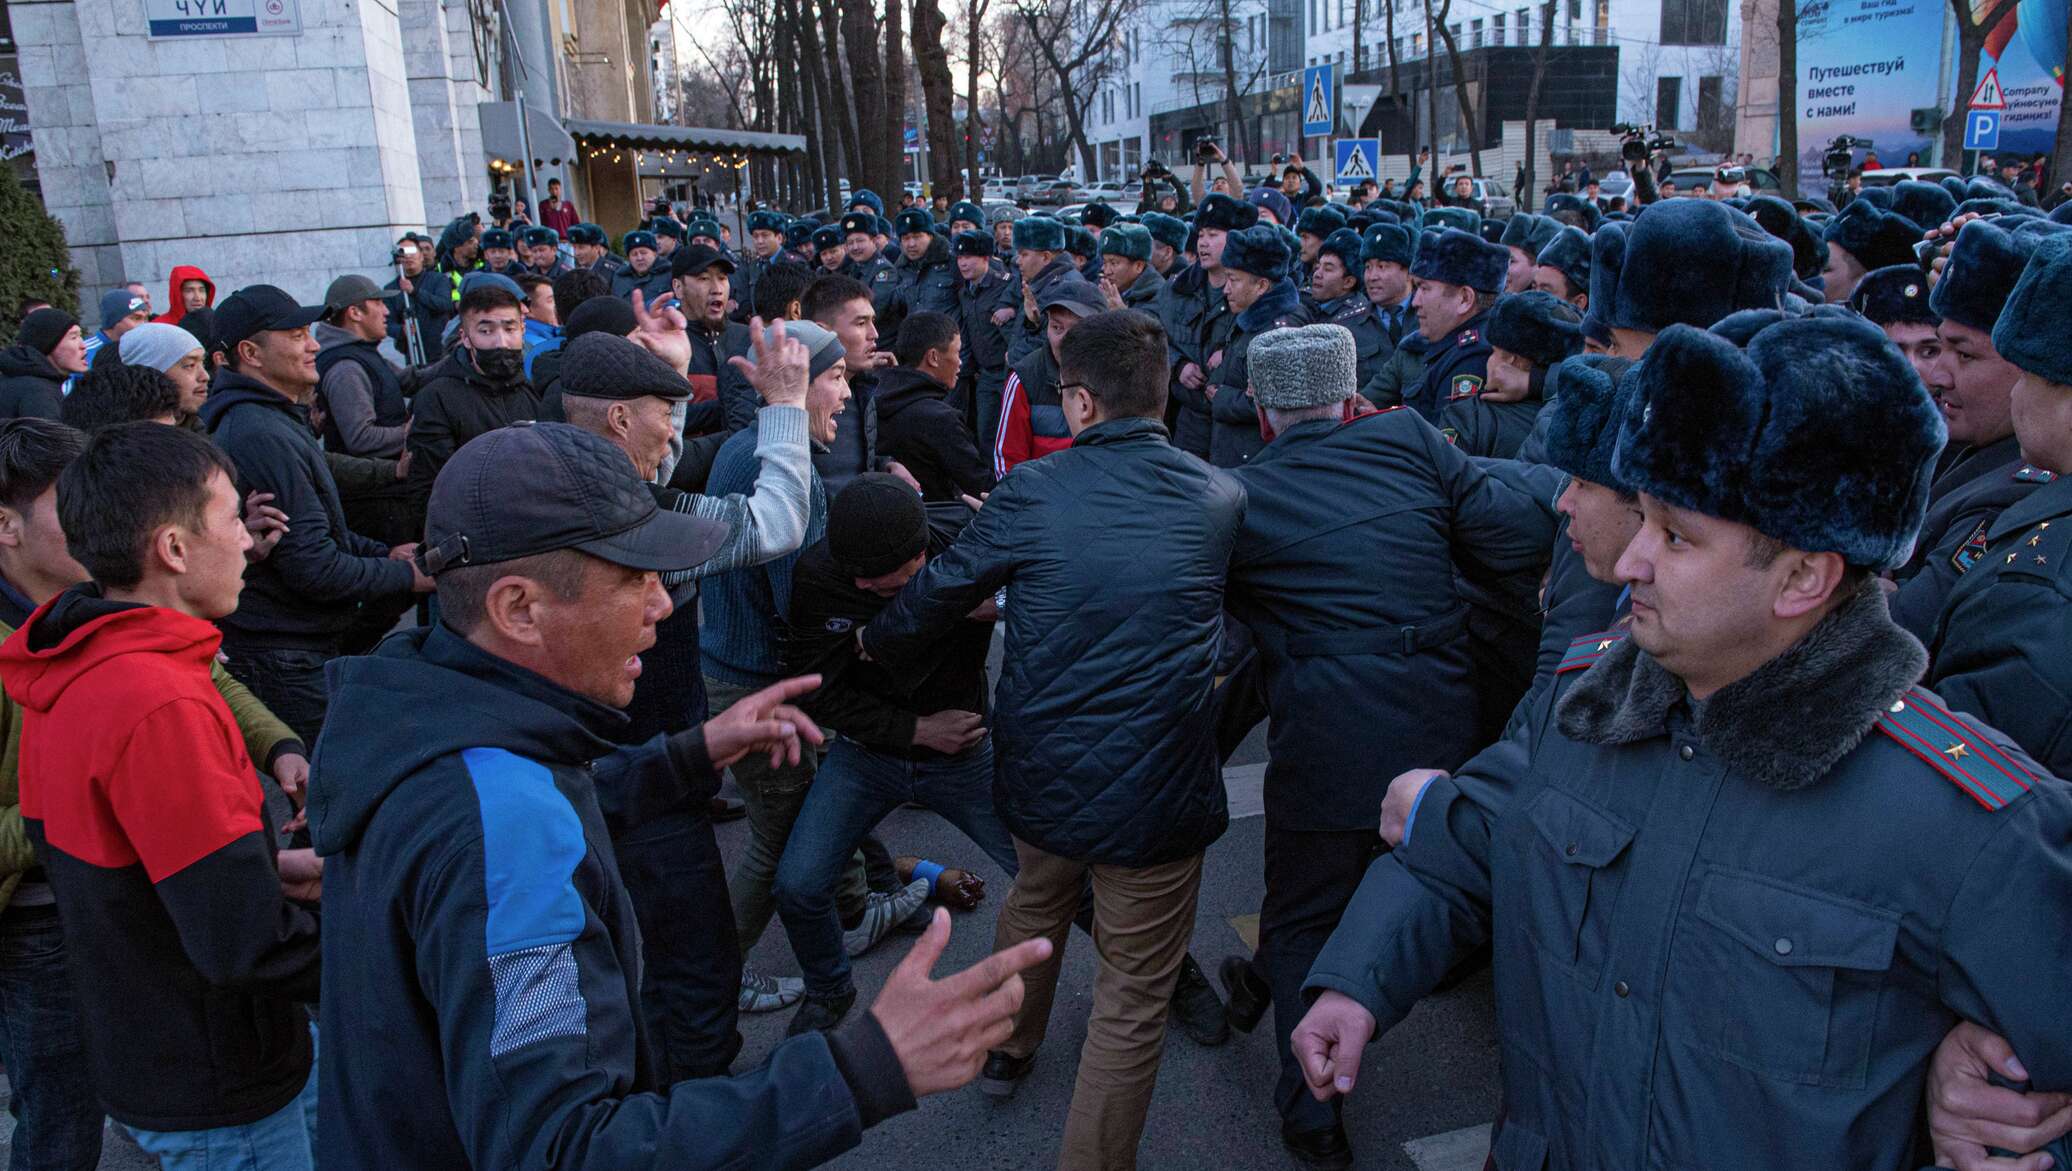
1206,147
1154,169
1840,155
499,206
1637,142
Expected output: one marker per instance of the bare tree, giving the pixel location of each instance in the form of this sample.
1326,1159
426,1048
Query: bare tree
1202,36
2061,155
938,97
1532,100
1470,125
1074,39
1787,160
974,23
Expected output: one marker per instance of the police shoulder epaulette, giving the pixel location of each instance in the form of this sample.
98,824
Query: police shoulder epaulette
1955,747
1588,649
2031,474
1469,337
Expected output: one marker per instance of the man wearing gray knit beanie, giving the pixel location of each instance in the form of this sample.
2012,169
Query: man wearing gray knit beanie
1339,494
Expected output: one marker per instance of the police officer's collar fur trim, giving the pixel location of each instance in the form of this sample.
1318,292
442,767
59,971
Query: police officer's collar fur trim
1039,233
1539,327
1646,276
1788,723
1586,400
1894,295
1873,236
1819,435
2034,330
1224,212
1455,257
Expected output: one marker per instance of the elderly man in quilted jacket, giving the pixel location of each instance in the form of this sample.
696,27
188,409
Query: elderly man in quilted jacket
1112,553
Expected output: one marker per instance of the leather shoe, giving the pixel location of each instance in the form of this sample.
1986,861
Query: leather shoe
1249,995
1196,1007
819,1014
1003,1073
1325,1148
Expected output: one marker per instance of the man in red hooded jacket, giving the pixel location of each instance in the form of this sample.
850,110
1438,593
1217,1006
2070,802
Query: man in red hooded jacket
189,289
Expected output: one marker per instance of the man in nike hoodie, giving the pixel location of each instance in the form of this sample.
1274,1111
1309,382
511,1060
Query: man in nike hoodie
189,950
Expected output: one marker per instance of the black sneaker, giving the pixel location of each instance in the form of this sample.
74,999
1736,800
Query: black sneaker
1325,1148
1196,1007
1249,995
1003,1072
819,1014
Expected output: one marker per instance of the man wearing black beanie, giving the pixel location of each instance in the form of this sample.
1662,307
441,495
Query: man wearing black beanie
48,349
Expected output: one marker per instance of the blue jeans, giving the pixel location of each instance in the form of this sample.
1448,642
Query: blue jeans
853,791
57,1117
285,1140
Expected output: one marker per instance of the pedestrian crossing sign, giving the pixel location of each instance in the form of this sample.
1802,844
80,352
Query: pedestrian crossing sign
1358,159
1319,101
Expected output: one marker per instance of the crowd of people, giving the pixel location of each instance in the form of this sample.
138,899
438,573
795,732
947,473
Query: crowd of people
1675,577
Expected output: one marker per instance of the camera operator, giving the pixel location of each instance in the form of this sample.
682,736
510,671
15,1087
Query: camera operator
1207,150
1646,158
1163,191
1459,191
1296,181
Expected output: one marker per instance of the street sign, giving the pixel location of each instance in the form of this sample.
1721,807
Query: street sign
1989,95
1982,130
165,19
1319,100
1358,159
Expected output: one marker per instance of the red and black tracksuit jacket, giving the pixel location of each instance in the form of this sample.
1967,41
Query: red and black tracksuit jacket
187,960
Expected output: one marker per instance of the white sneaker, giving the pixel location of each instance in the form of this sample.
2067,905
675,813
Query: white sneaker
882,913
765,993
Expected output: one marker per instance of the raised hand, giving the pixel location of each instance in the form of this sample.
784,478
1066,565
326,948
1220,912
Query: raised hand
662,332
780,366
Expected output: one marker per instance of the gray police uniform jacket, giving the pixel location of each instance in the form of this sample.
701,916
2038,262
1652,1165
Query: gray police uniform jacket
1371,343
2001,646
1197,319
1732,936
1145,292
1234,435
985,344
1400,373
1455,366
1962,502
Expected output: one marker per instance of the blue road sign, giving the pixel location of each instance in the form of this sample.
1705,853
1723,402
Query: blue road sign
1359,158
1982,130
1319,100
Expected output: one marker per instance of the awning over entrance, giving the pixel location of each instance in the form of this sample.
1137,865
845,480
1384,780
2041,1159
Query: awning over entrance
711,140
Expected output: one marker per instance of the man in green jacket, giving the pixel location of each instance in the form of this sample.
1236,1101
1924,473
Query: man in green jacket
59,1117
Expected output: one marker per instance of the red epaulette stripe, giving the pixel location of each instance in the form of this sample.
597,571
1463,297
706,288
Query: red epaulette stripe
1913,743
1987,752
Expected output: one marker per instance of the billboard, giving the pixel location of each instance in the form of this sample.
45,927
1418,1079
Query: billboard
2028,50
1864,67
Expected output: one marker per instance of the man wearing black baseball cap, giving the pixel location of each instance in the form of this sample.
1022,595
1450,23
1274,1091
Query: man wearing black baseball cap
702,278
459,852
300,601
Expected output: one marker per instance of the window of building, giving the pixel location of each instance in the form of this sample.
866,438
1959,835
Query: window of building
1712,111
1668,102
1496,30
1694,22
1525,26
1313,24
1417,45
1474,34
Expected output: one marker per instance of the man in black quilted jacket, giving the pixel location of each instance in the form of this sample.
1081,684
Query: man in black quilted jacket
1112,553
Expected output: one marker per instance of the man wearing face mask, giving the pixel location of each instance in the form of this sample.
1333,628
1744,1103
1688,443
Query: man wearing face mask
479,387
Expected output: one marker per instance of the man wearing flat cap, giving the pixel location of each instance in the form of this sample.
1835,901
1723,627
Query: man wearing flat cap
1257,263
1459,277
1340,495
1681,940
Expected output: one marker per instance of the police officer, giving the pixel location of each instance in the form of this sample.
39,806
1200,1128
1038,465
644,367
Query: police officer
1040,260
1688,262
1313,225
1459,276
1168,239
1127,279
798,243
1386,253
1895,299
1523,237
1681,941
1999,642
1863,237
1335,295
644,270
1528,333
1563,267
1258,264
500,253
927,274
1984,472
1084,250
669,236
593,250
985,308
1197,318
543,252
829,252
965,216
1333,504
859,237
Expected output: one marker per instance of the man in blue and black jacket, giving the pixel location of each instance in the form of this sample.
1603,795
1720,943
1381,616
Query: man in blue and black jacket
474,909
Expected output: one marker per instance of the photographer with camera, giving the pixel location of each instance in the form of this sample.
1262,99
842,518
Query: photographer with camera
1644,153
1297,183
1162,191
1206,151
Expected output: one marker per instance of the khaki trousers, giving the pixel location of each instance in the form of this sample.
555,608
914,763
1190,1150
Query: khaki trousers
1143,919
